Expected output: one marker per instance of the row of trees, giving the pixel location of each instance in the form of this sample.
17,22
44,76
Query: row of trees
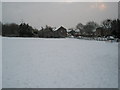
107,28
15,30
0,28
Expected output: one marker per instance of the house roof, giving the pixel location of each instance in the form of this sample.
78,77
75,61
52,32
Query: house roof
55,29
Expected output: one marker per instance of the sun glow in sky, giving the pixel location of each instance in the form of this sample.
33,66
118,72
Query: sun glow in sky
102,6
99,5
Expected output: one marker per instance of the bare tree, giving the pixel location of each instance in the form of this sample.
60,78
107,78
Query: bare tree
90,27
106,24
80,26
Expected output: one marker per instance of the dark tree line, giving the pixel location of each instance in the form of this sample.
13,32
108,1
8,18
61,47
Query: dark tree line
25,30
107,28
0,28
10,29
115,27
15,30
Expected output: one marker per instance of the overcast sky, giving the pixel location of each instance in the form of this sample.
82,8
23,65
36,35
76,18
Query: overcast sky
56,14
0,11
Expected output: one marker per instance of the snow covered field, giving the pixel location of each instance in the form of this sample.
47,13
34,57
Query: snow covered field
0,62
59,63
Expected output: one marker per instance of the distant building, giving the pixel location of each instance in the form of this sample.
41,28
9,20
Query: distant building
60,32
74,32
48,32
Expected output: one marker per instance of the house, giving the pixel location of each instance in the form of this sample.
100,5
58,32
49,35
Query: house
49,32
60,32
74,32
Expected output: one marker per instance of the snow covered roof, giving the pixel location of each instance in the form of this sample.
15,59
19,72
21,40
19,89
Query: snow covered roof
55,29
77,30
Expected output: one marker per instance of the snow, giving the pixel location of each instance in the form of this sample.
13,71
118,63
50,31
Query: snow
59,63
119,65
77,30
0,62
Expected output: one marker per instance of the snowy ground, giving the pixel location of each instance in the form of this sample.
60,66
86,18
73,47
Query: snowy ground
0,62
119,64
59,63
